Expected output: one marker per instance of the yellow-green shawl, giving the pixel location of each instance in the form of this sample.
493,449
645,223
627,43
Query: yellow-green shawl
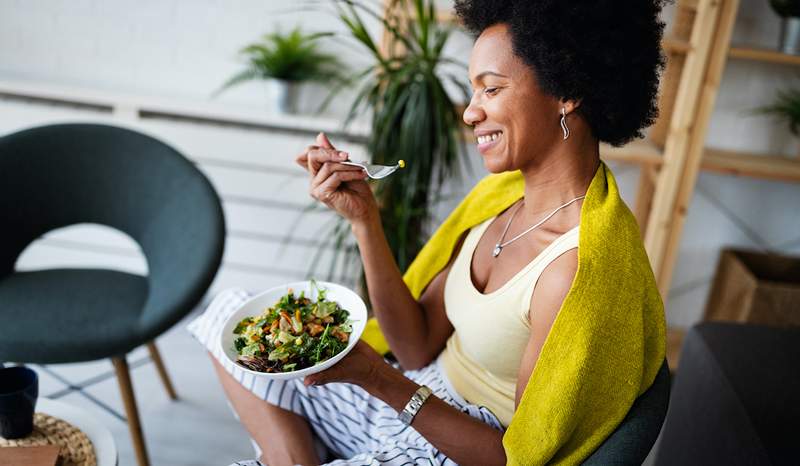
607,342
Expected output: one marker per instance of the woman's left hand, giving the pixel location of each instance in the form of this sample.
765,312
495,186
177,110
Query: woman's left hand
361,366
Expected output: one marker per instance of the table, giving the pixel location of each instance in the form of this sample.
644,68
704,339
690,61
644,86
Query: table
104,447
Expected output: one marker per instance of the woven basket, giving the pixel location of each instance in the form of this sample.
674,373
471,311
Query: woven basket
76,448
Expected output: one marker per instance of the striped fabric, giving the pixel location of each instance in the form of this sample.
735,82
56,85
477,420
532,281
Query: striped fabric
345,419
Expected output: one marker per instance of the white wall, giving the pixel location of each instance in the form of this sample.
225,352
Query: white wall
185,49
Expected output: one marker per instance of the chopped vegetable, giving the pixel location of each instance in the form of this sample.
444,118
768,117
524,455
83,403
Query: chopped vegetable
295,333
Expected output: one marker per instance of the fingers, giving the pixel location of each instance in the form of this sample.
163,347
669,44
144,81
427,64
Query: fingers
325,190
315,156
331,374
329,168
314,379
323,141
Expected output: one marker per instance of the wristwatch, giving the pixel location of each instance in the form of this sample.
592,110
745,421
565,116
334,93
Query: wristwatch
414,404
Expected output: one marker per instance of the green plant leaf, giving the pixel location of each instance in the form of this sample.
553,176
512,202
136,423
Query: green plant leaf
294,56
785,108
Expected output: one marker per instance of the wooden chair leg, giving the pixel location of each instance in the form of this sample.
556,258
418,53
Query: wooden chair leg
128,398
162,371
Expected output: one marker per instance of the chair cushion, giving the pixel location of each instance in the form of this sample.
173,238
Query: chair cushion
69,315
633,439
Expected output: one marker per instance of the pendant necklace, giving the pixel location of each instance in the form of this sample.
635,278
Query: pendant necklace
498,248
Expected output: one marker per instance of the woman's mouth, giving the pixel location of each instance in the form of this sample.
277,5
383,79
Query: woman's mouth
487,141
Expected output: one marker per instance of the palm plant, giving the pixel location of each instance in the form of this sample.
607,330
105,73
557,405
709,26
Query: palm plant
412,117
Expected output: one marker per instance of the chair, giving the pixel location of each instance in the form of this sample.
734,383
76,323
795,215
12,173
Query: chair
736,396
59,175
632,440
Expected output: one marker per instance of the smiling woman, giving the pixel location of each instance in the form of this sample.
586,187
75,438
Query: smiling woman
467,324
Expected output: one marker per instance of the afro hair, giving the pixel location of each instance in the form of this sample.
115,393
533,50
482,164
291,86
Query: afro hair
605,53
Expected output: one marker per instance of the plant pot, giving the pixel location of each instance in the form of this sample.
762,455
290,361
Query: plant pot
790,35
283,96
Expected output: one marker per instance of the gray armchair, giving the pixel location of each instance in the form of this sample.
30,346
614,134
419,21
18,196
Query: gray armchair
60,175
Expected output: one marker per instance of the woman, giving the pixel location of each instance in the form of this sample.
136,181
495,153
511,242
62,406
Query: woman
551,80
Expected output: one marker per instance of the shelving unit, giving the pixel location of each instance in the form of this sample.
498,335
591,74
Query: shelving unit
697,49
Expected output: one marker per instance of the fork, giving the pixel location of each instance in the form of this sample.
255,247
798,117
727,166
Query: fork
376,172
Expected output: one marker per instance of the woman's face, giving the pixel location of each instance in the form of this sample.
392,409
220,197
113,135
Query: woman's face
513,121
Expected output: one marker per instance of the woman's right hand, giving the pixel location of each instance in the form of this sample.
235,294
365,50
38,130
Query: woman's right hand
341,187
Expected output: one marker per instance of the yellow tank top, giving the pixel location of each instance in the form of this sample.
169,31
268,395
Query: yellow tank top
484,352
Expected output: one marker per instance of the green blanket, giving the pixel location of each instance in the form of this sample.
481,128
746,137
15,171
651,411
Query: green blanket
607,343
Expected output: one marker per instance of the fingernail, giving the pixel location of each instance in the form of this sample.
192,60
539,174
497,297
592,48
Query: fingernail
343,155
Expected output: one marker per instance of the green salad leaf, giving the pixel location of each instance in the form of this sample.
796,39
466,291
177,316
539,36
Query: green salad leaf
294,333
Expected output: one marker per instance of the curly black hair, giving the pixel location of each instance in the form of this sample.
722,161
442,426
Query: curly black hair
605,53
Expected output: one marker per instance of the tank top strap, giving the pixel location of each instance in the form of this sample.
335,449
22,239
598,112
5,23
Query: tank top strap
559,246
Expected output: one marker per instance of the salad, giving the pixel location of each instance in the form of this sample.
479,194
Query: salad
295,333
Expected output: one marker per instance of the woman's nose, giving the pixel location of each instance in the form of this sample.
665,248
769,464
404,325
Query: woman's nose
474,113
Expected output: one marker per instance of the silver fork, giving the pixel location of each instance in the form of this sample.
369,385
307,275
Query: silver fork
376,172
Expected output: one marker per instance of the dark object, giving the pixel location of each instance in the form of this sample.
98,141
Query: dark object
755,287
19,388
786,8
632,441
60,175
789,11
736,398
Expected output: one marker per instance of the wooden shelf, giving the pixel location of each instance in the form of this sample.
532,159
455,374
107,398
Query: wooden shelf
677,46
764,55
691,4
681,47
640,151
739,163
771,167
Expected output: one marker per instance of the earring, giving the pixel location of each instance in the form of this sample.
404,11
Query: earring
564,122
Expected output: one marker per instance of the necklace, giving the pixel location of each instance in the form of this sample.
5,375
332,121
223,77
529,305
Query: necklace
498,248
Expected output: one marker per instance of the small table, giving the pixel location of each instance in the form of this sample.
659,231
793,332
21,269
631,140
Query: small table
104,447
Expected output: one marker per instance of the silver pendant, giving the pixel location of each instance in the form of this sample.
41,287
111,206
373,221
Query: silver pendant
497,250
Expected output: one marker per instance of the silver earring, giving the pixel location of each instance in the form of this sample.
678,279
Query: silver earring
564,122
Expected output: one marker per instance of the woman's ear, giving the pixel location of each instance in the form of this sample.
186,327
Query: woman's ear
570,105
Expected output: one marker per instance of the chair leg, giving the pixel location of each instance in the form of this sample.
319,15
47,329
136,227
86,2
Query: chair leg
162,370
128,398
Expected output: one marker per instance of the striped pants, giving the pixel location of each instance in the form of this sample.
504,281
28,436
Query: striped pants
346,421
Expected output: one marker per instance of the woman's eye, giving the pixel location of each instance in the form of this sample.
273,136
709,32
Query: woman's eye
490,91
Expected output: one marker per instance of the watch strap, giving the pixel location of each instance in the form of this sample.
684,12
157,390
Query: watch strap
414,405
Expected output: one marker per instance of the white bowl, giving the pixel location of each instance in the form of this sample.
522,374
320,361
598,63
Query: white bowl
256,305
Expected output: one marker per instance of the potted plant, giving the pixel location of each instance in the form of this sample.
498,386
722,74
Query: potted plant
285,61
785,108
789,10
412,117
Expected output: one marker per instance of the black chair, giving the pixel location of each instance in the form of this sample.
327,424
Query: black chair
60,175
632,441
736,397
